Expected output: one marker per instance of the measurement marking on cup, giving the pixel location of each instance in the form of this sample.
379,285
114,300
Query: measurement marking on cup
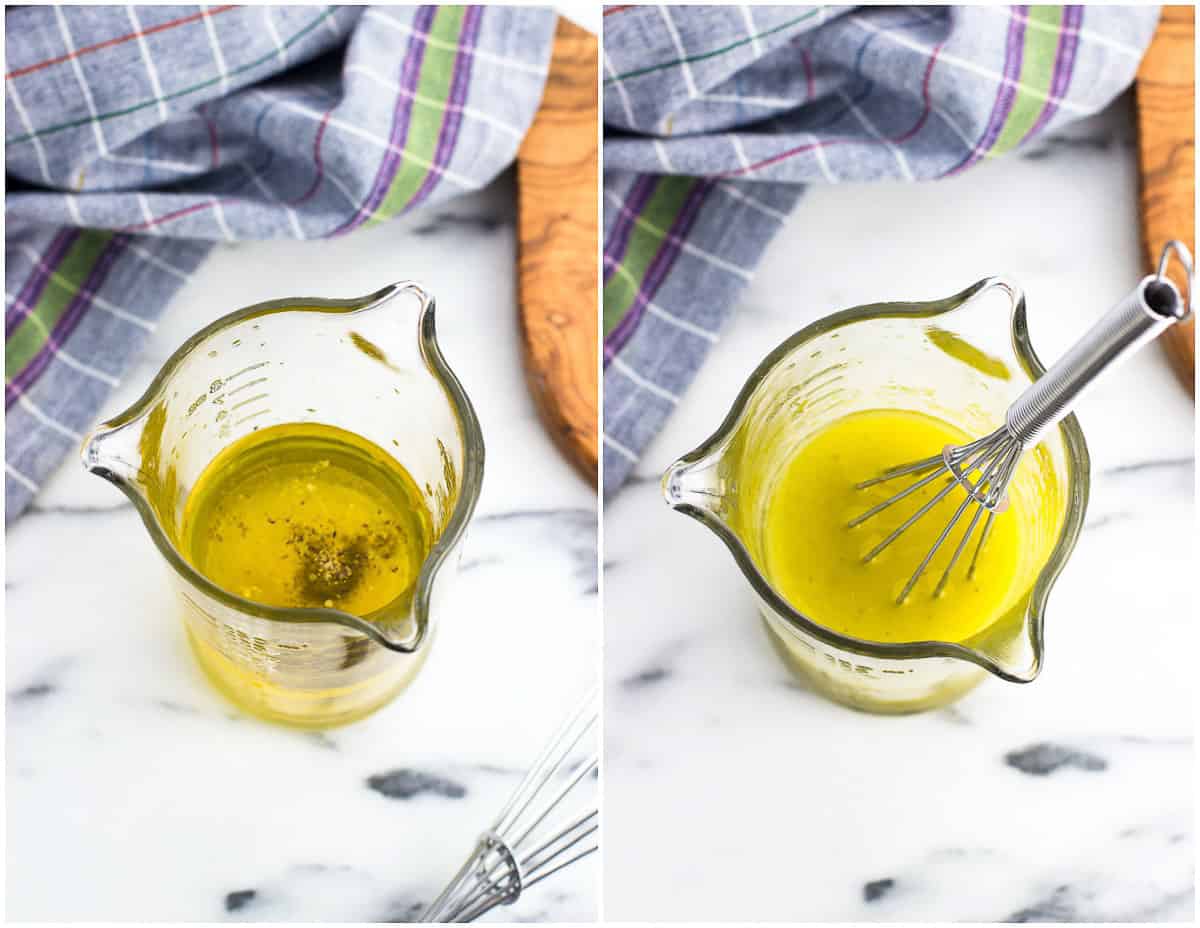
247,385
253,415
246,370
252,399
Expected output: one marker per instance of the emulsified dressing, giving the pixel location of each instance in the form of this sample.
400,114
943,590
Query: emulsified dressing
816,562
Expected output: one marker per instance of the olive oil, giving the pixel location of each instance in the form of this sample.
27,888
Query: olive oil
309,515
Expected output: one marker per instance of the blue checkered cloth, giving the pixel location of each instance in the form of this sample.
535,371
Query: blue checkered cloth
136,136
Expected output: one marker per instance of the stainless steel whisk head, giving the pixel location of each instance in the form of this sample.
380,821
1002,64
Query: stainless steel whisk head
984,468
550,822
994,458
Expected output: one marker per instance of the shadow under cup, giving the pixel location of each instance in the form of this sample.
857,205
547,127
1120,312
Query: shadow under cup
950,359
370,366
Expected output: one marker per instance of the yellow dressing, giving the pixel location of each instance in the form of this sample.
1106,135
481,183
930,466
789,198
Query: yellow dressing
816,562
308,515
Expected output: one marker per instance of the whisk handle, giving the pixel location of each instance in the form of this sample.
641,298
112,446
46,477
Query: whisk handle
1153,306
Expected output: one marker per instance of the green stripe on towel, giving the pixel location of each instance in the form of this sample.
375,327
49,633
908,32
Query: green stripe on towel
1037,72
65,280
645,239
425,121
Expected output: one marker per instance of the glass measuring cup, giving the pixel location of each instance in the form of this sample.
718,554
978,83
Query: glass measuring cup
945,358
371,366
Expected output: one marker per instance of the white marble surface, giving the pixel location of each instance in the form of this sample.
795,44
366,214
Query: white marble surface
732,793
135,792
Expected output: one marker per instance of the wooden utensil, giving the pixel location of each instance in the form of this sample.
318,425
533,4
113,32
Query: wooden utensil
558,170
1166,100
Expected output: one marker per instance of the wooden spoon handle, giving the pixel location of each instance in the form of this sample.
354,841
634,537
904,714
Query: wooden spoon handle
1166,92
558,169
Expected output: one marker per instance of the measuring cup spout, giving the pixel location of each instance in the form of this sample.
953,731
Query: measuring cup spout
112,452
693,485
1014,650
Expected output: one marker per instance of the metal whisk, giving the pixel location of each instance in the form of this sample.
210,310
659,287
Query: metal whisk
984,467
550,822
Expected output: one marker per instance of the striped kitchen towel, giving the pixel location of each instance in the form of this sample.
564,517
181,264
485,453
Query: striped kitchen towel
715,118
136,136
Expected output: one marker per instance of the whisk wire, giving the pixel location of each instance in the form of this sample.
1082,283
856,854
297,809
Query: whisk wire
577,831
552,804
904,526
962,543
892,473
929,504
938,467
972,490
537,833
566,863
1007,459
983,537
907,491
542,769
520,866
992,457
466,909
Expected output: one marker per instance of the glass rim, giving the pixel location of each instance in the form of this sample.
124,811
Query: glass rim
1078,482
471,479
